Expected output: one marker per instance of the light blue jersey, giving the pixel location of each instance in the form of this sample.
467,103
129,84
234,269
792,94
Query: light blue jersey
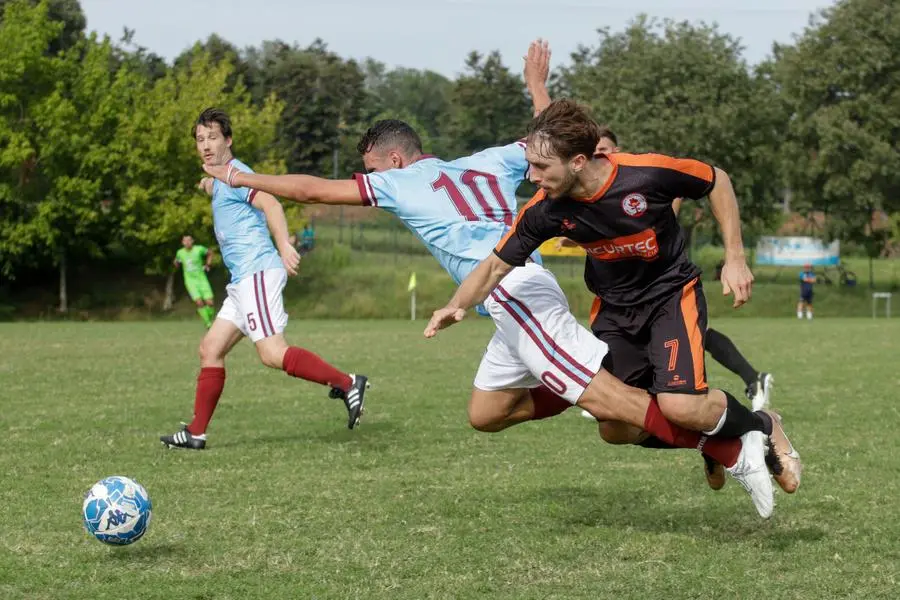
459,209
241,230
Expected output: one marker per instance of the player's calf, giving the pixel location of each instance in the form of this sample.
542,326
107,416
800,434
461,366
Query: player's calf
700,412
616,432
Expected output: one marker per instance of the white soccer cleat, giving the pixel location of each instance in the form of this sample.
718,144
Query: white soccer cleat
751,472
587,415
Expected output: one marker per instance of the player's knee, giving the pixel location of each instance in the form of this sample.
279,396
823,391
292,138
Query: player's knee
484,416
207,351
271,357
484,420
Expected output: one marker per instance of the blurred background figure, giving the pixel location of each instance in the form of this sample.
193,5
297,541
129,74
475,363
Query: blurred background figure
195,261
307,239
807,280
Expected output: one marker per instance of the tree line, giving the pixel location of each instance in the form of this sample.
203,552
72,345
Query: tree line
97,163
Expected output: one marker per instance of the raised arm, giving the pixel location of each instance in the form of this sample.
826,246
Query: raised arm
474,290
299,188
537,69
277,223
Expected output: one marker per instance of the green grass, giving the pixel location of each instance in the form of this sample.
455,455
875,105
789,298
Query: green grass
286,503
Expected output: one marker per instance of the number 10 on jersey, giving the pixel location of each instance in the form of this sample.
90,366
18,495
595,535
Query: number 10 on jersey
470,178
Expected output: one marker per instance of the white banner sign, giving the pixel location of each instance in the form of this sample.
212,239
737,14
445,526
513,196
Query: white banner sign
797,251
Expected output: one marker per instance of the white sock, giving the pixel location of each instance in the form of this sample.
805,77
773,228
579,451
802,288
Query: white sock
799,314
808,315
719,425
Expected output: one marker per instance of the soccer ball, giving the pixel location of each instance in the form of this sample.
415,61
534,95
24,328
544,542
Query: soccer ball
116,510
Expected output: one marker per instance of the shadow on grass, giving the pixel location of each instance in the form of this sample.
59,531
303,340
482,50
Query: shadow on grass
147,549
590,507
373,436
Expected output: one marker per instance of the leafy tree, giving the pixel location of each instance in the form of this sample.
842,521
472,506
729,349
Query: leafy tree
28,76
218,50
839,84
67,12
489,105
321,94
159,199
684,89
69,107
420,97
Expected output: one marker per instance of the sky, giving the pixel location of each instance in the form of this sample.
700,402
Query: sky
434,34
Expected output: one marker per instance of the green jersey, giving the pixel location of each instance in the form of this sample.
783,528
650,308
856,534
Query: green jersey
192,260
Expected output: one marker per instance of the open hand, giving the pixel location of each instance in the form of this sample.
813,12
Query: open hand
443,318
224,173
537,62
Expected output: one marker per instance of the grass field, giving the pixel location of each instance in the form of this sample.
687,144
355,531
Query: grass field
287,503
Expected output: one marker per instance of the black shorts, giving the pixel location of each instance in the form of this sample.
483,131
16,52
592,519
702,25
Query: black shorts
806,296
657,346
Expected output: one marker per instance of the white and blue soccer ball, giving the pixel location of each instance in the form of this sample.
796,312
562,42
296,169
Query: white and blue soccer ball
116,510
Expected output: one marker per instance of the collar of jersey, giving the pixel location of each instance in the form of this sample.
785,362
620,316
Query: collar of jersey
609,180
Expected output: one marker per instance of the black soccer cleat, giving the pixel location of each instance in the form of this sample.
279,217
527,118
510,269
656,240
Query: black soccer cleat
353,399
184,439
758,391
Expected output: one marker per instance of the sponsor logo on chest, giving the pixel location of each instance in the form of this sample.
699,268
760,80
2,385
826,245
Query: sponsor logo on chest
642,245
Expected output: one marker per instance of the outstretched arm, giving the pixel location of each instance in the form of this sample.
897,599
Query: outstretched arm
474,290
299,188
537,69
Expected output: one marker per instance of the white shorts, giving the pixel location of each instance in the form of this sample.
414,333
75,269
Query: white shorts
538,341
255,306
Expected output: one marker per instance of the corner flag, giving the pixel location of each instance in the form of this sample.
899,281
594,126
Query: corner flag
412,283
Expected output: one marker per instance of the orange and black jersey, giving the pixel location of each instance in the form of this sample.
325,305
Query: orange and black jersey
635,247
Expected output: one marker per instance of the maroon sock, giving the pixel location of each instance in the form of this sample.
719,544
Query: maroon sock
547,403
724,450
210,383
306,365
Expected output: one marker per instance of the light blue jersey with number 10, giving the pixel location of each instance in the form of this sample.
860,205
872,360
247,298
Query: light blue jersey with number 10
459,209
